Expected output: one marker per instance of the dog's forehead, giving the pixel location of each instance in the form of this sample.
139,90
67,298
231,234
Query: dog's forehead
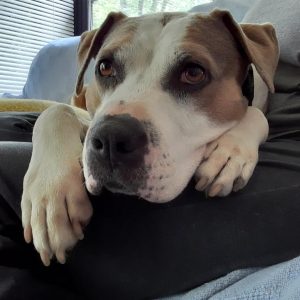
157,29
164,33
144,33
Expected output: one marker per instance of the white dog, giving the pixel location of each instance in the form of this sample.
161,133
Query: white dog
165,103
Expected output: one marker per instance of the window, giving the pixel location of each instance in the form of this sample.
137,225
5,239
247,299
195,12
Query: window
25,27
100,8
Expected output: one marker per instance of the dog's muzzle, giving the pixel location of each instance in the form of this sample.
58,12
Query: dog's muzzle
116,148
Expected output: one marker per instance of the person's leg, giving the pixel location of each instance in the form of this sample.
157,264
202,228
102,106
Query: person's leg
16,126
134,249
22,275
14,157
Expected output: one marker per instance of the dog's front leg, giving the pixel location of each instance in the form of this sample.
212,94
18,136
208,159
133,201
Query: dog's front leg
229,161
55,205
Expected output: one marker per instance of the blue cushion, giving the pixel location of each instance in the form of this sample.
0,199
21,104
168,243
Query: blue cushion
53,71
285,17
237,8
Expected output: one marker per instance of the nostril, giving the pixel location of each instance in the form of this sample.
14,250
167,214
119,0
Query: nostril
97,144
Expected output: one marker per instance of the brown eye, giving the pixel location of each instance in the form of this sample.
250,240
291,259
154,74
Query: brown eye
106,69
193,74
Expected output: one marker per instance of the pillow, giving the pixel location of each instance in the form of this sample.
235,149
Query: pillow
237,8
53,71
285,16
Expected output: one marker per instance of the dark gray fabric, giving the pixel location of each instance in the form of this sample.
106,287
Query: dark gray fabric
284,105
14,157
135,250
22,276
16,126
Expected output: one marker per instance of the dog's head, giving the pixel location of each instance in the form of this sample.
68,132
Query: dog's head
165,85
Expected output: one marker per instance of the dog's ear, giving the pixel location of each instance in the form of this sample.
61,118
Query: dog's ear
84,45
259,43
90,43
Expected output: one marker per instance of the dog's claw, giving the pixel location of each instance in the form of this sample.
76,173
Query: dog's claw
61,257
238,184
77,227
228,167
45,258
28,234
215,190
202,183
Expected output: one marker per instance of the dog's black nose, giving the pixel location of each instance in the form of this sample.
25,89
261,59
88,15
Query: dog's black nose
119,139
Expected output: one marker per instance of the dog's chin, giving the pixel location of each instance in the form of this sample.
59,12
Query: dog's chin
160,186
95,186
158,196
157,188
116,187
169,193
95,191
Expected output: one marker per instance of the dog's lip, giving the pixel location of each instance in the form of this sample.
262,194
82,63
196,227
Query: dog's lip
117,187
114,185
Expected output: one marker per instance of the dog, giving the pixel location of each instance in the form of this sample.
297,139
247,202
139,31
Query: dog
165,104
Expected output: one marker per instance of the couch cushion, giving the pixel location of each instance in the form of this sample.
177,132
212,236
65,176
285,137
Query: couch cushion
237,8
53,71
284,15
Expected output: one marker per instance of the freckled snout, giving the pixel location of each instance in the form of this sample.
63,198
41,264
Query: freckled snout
120,140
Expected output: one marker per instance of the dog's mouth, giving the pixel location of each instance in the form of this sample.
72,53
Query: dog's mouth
117,187
114,186
128,157
117,181
115,150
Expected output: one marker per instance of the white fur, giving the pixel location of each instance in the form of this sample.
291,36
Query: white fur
150,55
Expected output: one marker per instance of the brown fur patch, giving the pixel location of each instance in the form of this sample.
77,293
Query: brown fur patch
210,33
121,36
91,42
93,98
79,100
200,53
222,98
258,42
84,45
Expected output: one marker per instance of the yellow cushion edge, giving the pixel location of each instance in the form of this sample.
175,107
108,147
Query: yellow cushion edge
25,105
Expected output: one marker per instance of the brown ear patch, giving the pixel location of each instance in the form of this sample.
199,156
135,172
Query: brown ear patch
121,36
91,43
226,49
259,43
207,38
84,45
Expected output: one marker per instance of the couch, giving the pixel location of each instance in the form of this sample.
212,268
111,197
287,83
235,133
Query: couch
280,281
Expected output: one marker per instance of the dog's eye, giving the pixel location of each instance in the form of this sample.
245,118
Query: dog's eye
193,74
106,68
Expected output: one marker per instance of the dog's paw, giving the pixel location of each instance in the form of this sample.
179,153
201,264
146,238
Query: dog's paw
227,166
55,209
